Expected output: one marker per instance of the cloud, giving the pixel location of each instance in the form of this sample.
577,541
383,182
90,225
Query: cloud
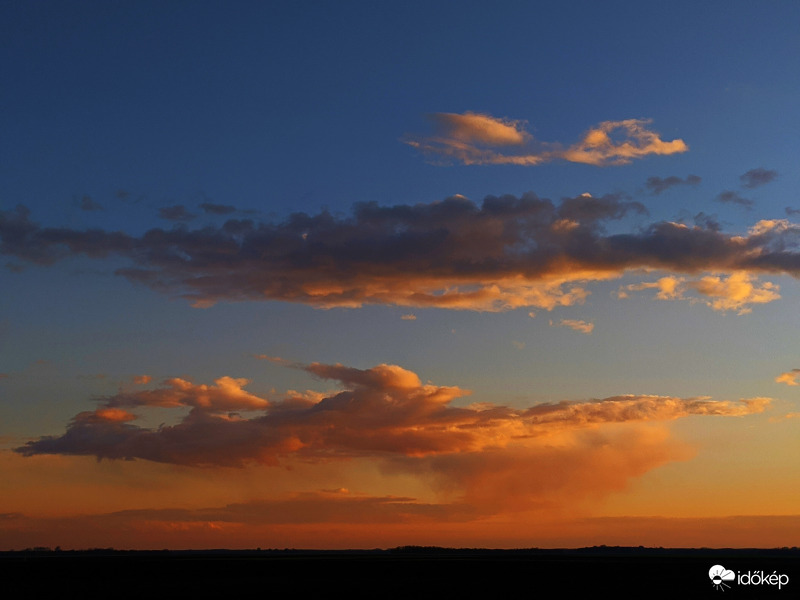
409,317
175,213
656,185
217,209
738,291
730,197
480,139
577,325
384,411
505,253
789,378
757,177
88,204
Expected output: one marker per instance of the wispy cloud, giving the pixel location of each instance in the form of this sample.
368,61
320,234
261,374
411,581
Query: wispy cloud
731,197
217,209
656,185
757,177
789,377
481,139
87,203
576,324
175,213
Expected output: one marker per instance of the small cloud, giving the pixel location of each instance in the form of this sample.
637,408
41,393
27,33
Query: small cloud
276,359
481,139
757,177
786,417
738,291
175,213
708,222
789,378
730,197
532,314
656,185
217,209
88,204
142,379
792,211
409,317
576,324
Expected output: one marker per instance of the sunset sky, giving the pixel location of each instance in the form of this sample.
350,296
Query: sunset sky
356,275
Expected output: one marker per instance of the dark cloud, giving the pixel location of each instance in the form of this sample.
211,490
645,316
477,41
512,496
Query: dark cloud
505,253
705,221
381,412
88,204
656,185
730,197
757,177
175,213
792,211
217,209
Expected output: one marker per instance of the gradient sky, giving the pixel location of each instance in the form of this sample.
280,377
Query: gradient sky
330,275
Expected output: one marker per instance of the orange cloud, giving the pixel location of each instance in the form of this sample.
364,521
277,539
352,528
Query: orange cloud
789,378
576,324
474,139
738,291
382,411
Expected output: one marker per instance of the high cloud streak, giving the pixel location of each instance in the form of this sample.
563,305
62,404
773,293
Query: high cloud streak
478,139
382,412
506,253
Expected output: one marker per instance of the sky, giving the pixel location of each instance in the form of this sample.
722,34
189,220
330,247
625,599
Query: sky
357,274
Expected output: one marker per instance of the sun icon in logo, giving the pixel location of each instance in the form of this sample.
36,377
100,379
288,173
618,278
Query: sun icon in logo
719,575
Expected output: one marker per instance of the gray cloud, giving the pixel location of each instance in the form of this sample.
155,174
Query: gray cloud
656,185
505,253
88,204
730,197
757,177
175,213
217,209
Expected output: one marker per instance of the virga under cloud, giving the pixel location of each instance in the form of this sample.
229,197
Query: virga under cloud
481,139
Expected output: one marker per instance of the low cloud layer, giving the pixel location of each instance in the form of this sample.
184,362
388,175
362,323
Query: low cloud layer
505,253
480,139
385,411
